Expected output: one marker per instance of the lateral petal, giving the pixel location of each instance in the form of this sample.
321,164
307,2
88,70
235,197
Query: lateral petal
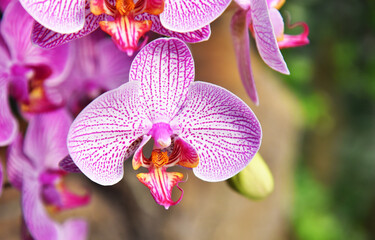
198,35
241,43
101,136
221,127
45,140
58,15
265,36
188,16
165,69
47,38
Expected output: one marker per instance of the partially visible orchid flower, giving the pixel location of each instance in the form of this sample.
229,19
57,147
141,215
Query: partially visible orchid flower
127,21
98,67
33,169
267,26
193,124
27,73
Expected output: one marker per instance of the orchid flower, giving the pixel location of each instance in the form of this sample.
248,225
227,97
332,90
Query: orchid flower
27,73
98,67
126,21
267,27
33,169
193,124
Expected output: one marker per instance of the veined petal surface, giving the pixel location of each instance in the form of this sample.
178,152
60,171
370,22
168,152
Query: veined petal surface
47,38
222,128
58,15
45,140
165,69
241,43
199,35
101,137
265,36
187,16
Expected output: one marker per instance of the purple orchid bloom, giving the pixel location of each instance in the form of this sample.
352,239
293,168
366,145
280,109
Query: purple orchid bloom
193,124
98,67
126,21
27,73
33,169
267,26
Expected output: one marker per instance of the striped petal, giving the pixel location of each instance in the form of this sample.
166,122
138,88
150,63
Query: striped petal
47,38
8,123
199,35
126,32
160,182
101,137
265,36
58,15
222,128
165,69
188,16
241,43
45,140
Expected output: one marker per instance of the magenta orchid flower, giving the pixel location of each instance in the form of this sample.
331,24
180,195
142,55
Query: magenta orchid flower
33,169
126,21
267,26
193,124
27,73
98,67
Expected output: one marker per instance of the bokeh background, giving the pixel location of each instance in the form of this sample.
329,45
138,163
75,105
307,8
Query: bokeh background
319,141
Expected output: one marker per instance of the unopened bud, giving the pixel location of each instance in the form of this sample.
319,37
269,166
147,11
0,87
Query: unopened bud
255,181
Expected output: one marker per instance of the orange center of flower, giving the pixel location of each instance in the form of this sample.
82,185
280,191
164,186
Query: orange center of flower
159,158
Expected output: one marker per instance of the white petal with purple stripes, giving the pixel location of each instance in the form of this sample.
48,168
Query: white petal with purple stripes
58,15
222,128
187,16
165,69
47,38
265,36
101,137
198,35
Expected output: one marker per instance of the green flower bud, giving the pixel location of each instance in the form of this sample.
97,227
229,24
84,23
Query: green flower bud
255,181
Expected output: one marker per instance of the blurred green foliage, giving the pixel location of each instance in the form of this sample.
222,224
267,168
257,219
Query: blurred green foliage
334,79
